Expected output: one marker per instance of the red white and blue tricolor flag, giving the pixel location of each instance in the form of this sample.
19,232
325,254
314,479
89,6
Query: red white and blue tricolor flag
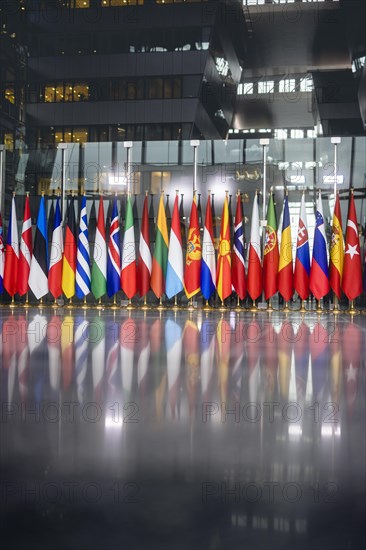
208,263
114,254
2,256
302,264
319,274
12,254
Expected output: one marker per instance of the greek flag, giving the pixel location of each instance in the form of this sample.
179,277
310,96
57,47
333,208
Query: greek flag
83,257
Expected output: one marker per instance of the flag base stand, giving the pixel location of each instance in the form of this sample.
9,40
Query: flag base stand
254,308
84,305
222,308
302,307
70,305
55,305
161,306
352,310
12,304
114,306
207,306
286,309
129,306
175,306
99,304
270,307
238,307
26,304
318,310
145,307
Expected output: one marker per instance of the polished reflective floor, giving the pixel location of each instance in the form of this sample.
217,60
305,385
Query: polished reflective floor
181,431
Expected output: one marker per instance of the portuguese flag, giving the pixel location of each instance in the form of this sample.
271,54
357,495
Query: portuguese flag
160,258
271,253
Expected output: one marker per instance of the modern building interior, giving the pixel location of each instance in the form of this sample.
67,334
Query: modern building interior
173,373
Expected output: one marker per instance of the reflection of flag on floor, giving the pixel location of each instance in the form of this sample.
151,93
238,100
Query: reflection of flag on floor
335,345
285,339
301,357
54,354
269,357
302,263
25,254
128,341
319,350
208,346
38,350
159,367
173,342
253,334
23,358
319,281
12,254
9,358
98,357
223,356
112,360
352,345
67,350
192,363
143,361
81,357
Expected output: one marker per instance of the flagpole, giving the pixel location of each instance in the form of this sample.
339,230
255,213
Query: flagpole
264,142
335,141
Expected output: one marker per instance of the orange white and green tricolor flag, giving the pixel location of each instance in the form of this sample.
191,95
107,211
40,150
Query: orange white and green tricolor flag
224,257
160,259
336,251
194,254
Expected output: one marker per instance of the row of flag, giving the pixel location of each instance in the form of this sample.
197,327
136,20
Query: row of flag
227,361
67,268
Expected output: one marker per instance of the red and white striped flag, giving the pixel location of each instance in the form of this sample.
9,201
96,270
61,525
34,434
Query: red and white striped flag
25,250
144,260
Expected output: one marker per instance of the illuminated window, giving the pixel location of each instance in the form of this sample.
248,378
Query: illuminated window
9,142
59,93
265,86
80,135
10,94
59,136
306,84
112,3
68,91
49,93
82,4
297,134
287,85
81,92
159,181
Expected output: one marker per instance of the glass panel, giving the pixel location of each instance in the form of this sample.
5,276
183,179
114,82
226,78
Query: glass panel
81,92
162,152
49,93
59,93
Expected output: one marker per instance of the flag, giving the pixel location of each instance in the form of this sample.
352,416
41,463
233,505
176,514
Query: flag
160,259
57,247
285,269
99,268
208,264
224,256
25,250
302,263
336,251
254,278
319,281
144,263
2,256
12,254
38,276
129,268
83,255
174,270
271,253
114,254
193,256
70,252
352,270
